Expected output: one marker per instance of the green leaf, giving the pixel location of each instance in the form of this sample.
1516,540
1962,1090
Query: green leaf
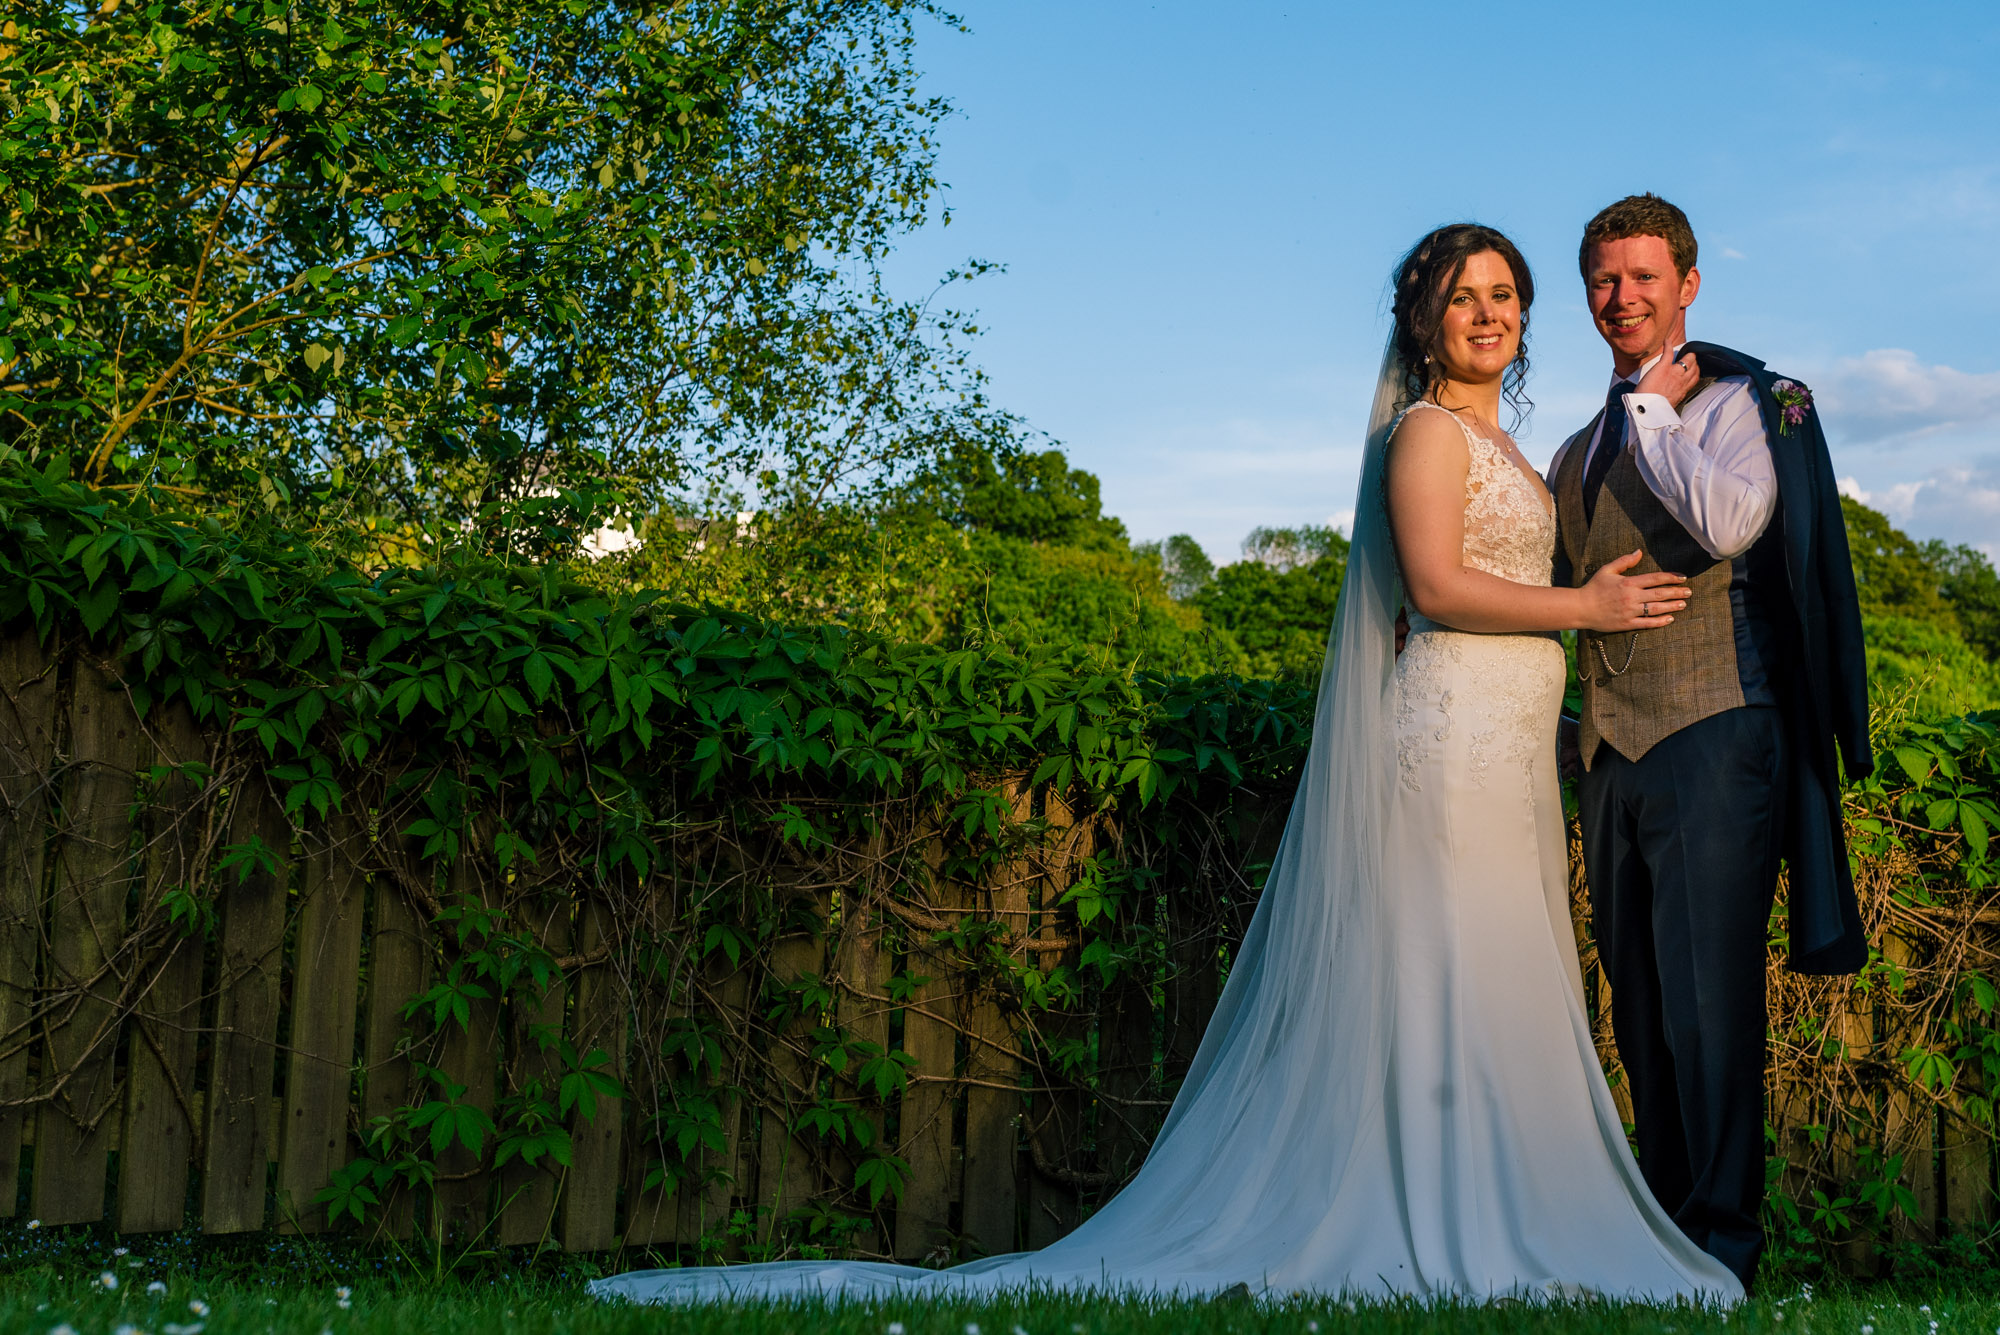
535,670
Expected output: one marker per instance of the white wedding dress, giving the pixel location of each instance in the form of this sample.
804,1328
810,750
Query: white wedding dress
1398,1094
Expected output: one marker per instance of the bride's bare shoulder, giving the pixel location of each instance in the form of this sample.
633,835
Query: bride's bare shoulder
1427,438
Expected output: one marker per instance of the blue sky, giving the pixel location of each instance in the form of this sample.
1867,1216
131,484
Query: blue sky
1199,204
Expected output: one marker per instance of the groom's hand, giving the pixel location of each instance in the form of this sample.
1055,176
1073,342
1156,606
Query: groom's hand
1671,378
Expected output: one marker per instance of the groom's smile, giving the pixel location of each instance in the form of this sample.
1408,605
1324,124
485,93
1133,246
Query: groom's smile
1636,297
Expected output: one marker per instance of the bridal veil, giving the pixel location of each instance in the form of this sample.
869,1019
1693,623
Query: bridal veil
1288,1083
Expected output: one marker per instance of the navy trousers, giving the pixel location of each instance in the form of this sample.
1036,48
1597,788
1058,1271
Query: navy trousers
1681,848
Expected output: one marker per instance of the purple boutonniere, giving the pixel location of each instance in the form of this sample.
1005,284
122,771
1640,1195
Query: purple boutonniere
1794,402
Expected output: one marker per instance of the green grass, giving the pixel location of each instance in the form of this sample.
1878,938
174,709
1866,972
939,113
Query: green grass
263,1284
41,1303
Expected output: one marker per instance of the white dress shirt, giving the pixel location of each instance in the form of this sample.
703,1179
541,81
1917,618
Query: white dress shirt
1709,464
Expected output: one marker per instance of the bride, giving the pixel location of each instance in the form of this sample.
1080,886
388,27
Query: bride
1398,1094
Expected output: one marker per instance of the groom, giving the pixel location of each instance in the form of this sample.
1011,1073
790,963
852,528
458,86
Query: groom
1708,745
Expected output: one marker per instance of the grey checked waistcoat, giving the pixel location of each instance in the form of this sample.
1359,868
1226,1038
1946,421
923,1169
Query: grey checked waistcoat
1640,687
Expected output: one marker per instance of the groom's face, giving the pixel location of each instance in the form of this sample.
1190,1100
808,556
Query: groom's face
1636,298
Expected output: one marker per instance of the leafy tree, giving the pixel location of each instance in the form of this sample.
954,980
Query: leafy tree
1288,549
1034,497
997,546
1025,595
1925,670
1183,563
1278,602
1892,572
1922,604
1968,582
402,258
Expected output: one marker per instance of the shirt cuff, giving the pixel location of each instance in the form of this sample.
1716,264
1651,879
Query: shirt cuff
1650,412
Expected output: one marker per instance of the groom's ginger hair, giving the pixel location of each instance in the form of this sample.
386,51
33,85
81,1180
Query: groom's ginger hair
1641,215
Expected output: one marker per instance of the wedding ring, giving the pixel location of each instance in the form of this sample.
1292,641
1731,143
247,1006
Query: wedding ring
1645,609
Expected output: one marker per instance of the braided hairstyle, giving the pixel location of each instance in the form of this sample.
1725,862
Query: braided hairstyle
1423,286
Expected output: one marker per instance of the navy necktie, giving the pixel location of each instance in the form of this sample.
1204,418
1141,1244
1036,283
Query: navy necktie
1610,442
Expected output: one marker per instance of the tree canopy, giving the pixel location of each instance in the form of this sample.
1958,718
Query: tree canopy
392,261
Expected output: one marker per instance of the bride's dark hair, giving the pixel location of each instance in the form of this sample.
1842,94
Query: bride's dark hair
1424,282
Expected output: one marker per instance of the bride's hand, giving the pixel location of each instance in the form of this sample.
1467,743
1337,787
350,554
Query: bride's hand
1615,601
1671,378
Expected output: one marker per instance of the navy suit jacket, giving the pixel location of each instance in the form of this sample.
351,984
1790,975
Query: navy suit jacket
1824,697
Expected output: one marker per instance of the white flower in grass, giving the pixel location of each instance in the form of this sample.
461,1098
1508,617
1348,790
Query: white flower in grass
64,1329
121,1251
128,1330
1312,1328
1019,1331
156,1288
198,1307
893,1328
36,1223
1867,1329
108,1280
191,1328
972,1328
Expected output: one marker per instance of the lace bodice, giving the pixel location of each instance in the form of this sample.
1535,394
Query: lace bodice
1510,531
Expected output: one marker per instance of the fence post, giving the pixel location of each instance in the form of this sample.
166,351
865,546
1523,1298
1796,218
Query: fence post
528,1191
1056,1117
326,980
861,967
787,1165
470,1055
1125,1063
923,1216
590,1197
1910,1118
705,1202
159,1110
398,957
27,749
1968,1152
993,1103
86,928
244,1063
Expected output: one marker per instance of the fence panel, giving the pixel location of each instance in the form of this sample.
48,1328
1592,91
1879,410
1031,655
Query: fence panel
326,988
930,1039
590,1201
27,748
86,925
241,1124
158,1150
398,970
1018,1116
528,1191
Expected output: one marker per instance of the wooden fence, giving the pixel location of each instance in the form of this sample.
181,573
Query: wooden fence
172,1054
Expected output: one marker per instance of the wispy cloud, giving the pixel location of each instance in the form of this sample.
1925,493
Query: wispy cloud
1889,396
1959,502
